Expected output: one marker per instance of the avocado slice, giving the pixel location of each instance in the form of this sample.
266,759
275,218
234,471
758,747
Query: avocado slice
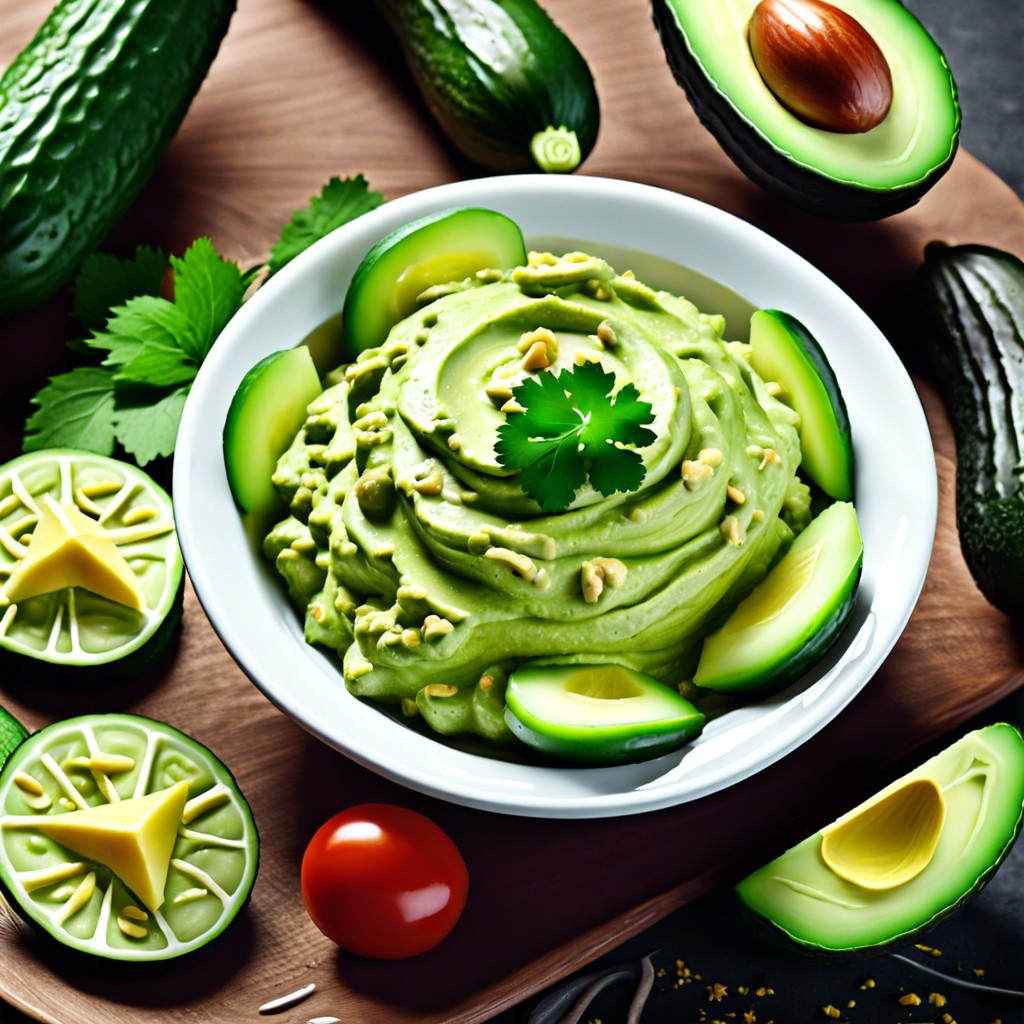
784,351
803,901
794,615
598,714
855,176
440,248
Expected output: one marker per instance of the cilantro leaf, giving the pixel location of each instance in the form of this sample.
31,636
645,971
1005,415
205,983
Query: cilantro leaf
208,291
575,425
146,419
338,203
75,410
104,282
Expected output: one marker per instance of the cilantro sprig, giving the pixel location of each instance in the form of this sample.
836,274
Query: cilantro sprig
143,350
574,425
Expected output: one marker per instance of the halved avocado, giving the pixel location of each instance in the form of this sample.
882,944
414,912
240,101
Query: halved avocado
803,901
844,176
266,412
598,714
436,249
794,615
783,350
124,839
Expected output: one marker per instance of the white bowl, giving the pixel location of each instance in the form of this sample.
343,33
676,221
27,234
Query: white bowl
724,265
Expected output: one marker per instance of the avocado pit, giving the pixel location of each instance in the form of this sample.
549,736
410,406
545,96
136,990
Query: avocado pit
821,64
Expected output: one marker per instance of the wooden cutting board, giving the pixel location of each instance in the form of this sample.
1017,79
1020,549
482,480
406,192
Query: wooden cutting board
299,94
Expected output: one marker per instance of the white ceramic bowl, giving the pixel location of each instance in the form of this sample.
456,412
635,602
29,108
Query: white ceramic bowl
692,247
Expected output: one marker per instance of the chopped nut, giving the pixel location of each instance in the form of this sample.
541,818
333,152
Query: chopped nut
410,638
936,999
520,564
499,392
512,406
606,334
868,983
695,473
440,690
831,1011
434,626
910,999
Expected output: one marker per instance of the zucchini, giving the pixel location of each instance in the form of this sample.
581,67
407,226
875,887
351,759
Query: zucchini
86,111
124,839
969,308
506,85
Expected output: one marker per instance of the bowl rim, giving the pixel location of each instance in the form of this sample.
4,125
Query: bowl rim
894,572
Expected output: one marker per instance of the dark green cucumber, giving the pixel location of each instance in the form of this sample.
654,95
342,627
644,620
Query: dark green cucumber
506,85
86,111
969,307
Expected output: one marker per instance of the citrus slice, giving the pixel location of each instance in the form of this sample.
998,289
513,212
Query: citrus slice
123,838
90,570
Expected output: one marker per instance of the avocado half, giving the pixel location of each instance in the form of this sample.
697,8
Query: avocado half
804,901
850,177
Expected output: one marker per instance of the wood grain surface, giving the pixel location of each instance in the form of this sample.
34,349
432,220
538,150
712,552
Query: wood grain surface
302,91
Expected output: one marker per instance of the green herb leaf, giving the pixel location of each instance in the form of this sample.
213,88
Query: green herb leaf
575,425
146,419
208,290
339,202
75,410
104,282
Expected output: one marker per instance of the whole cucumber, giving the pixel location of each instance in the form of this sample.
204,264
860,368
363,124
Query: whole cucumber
86,111
969,311
506,85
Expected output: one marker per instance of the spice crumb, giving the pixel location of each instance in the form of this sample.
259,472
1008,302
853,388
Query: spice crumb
868,983
831,1011
936,999
910,999
930,950
716,992
979,972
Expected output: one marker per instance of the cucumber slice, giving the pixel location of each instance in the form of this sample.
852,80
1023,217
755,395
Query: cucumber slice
12,732
441,247
265,414
784,351
792,617
89,801
110,506
598,714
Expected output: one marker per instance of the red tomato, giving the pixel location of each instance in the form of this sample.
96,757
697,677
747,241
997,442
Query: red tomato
383,881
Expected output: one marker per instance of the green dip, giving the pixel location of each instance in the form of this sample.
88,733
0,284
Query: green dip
418,558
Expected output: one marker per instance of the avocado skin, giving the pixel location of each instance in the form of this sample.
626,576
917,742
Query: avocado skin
86,111
770,168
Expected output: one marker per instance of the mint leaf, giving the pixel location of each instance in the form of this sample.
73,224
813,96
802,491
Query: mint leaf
208,291
104,282
75,410
338,203
146,419
572,427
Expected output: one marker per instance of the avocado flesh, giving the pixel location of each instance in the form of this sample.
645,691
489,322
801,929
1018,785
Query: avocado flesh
982,780
856,176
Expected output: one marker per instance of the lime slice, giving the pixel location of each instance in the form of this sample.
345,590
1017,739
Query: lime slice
118,539
93,806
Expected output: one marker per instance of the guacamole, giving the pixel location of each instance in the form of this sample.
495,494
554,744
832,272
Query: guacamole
415,554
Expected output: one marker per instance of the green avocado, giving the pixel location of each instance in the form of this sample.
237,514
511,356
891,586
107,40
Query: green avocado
851,176
805,901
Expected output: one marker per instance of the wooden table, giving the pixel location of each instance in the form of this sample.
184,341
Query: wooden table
299,94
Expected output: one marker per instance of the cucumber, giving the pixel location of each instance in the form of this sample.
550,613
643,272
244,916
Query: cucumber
86,111
969,309
436,249
785,352
89,802
794,615
78,626
265,414
505,84
598,714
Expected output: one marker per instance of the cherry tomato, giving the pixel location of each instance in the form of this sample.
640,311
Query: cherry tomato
383,881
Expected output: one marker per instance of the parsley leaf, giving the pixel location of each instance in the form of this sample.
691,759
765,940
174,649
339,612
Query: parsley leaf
146,419
338,203
208,290
572,427
104,281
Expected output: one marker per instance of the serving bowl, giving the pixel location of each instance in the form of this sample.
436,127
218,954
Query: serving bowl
724,265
